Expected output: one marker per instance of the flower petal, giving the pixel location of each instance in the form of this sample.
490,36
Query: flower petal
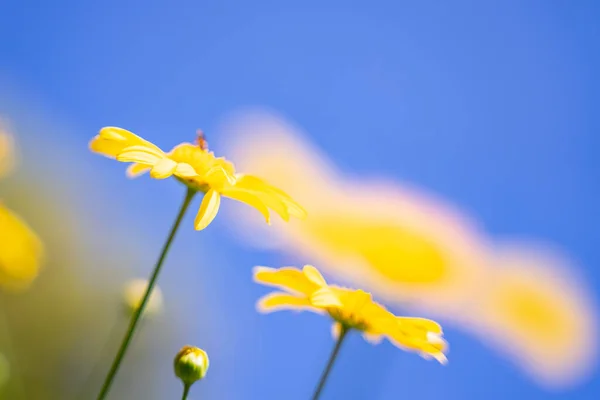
135,170
185,170
336,329
422,325
163,169
250,199
118,134
282,301
208,209
372,338
287,278
219,177
314,275
105,147
140,154
325,298
254,183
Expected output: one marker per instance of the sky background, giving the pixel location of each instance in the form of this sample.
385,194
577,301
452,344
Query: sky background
491,104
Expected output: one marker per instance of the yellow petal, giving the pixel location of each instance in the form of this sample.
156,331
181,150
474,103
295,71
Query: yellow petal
185,170
118,134
256,184
163,169
419,325
355,300
111,141
325,298
314,275
127,138
219,177
336,329
136,169
208,209
287,278
372,338
140,154
250,199
294,208
105,147
282,301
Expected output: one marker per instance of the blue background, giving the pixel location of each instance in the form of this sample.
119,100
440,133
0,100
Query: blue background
492,104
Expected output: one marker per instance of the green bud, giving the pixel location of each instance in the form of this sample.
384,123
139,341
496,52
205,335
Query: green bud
191,364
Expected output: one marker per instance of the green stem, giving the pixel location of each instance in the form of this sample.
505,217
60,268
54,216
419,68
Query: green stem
343,331
186,390
138,313
18,383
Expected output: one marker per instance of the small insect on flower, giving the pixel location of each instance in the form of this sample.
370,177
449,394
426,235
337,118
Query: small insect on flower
306,289
199,169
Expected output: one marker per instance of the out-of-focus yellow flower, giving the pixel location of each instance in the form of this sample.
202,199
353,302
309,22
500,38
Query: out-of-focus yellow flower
306,289
535,310
21,251
7,152
200,170
134,292
401,244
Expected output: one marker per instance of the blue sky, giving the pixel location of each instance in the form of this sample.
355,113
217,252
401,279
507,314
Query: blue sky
492,105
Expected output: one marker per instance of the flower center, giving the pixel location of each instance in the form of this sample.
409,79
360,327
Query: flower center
348,319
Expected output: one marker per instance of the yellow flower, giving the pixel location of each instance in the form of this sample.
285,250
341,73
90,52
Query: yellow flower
306,289
200,170
402,244
534,309
7,152
21,251
134,292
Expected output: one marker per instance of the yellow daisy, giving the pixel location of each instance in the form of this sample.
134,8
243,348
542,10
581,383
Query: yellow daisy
7,152
21,251
306,289
402,244
537,311
200,170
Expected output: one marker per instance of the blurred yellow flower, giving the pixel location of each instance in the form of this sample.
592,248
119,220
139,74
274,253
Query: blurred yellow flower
403,245
7,151
21,251
535,310
306,289
200,170
134,292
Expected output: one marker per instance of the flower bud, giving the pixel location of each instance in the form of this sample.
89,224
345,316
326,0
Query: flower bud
134,292
191,364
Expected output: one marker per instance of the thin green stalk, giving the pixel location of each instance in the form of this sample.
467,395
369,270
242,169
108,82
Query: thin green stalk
338,345
17,381
138,313
186,390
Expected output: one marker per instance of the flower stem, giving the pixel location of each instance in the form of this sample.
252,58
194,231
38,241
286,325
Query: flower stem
343,331
18,382
186,390
135,318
